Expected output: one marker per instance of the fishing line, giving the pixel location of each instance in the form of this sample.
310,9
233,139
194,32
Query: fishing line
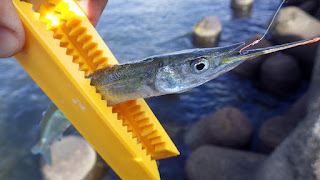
258,40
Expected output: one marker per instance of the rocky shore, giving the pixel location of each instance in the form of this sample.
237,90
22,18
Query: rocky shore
288,144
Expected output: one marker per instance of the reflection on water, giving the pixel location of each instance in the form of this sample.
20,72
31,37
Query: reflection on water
134,30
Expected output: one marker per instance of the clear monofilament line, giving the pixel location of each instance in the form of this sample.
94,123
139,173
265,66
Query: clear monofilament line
258,40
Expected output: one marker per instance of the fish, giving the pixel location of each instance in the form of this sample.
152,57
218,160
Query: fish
175,72
53,123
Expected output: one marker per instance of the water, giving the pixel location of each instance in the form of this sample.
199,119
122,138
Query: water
134,30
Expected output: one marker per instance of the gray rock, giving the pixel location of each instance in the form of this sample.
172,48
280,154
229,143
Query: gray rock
241,7
250,68
207,32
298,156
299,108
310,6
226,127
210,162
276,129
72,158
294,2
280,74
317,14
293,24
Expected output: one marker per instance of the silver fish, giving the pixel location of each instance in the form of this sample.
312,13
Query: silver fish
173,73
54,123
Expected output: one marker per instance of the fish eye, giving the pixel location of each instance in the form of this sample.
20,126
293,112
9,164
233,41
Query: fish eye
199,65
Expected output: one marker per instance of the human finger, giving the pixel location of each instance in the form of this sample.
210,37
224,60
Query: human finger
12,35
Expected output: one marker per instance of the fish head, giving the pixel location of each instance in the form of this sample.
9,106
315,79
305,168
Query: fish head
187,69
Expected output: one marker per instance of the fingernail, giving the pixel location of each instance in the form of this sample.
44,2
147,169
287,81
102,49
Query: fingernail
8,43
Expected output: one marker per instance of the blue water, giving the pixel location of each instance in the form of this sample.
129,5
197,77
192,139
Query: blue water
134,30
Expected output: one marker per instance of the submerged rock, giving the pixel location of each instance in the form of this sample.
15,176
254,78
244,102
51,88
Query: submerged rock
276,129
210,162
206,33
73,159
250,68
280,74
293,24
226,127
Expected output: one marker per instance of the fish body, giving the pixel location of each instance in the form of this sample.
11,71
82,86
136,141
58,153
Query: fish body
173,73
54,123
158,75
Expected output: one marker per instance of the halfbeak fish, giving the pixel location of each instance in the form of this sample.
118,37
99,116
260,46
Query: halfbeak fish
54,123
173,73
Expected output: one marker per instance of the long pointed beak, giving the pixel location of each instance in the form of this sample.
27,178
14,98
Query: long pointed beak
234,61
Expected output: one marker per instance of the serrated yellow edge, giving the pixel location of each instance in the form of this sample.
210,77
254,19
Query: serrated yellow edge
54,71
79,42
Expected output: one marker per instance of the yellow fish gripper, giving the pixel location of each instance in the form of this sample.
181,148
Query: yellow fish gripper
61,48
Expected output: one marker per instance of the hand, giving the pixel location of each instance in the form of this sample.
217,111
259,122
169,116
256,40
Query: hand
11,30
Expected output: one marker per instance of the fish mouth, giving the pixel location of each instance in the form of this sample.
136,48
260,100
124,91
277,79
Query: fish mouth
235,58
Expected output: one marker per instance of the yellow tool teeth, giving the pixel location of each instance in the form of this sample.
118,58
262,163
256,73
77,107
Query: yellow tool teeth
62,47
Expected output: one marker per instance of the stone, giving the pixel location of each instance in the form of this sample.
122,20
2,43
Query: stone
72,158
298,156
310,6
299,107
294,2
241,7
210,162
293,24
273,132
226,127
276,129
317,14
206,33
280,74
251,67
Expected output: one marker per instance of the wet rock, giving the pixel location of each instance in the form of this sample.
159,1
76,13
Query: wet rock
250,68
317,14
299,108
276,129
72,158
210,162
293,24
298,156
226,127
294,2
310,6
207,32
241,7
280,74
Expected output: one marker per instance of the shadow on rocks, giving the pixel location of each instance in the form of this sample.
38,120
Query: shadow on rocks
226,127
280,74
210,162
310,6
276,129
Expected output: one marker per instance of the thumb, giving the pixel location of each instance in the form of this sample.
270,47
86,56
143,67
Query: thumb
11,30
93,9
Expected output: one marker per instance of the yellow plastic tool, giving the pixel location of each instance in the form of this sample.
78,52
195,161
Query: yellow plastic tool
61,48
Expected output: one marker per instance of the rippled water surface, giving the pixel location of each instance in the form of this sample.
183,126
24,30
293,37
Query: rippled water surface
133,30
